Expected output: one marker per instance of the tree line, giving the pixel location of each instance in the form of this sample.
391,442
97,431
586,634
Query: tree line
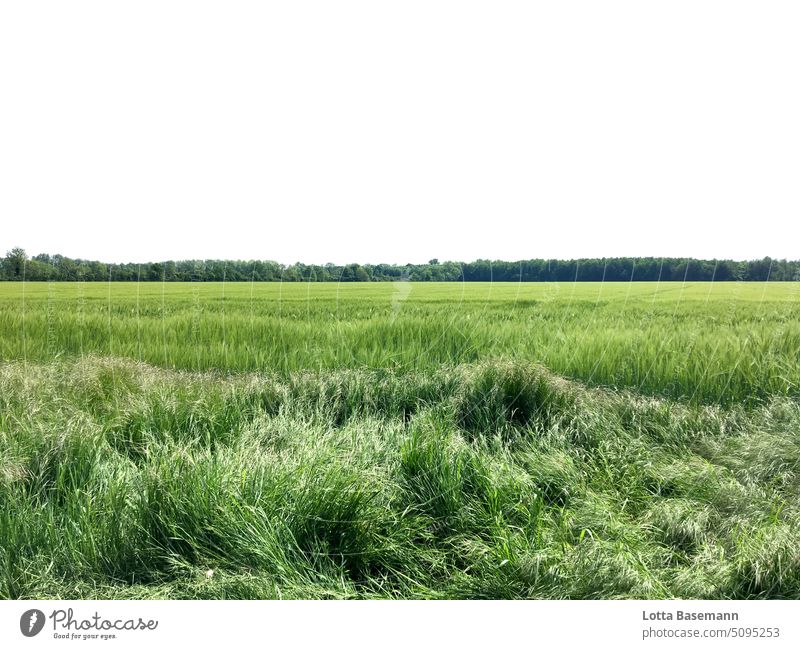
17,266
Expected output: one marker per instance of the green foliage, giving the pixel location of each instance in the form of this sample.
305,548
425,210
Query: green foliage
54,268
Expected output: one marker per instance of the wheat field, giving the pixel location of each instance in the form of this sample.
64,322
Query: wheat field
399,440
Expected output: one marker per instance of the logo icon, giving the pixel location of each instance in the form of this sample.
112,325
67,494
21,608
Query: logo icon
31,622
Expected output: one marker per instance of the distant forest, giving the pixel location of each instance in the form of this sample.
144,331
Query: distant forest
16,266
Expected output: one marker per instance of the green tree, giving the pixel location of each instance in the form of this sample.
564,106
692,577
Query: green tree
14,263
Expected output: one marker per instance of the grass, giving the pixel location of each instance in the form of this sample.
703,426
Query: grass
723,342
399,441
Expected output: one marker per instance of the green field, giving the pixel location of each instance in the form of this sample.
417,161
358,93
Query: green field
264,440
708,342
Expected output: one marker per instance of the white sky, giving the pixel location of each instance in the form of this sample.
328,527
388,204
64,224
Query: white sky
399,131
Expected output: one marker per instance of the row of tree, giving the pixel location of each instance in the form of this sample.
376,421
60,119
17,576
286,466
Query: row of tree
17,266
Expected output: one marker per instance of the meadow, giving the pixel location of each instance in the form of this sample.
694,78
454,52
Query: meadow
707,342
400,440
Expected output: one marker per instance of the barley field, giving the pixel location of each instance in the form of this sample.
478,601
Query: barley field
399,440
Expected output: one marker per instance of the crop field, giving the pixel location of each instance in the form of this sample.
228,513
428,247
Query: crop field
399,440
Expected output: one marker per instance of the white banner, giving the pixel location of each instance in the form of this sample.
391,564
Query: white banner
370,624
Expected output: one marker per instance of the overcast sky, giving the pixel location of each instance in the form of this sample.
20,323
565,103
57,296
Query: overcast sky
400,131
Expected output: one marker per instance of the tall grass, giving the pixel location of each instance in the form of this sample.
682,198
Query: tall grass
701,342
399,441
494,479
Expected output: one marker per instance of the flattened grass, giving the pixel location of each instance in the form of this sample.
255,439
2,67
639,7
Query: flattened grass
497,479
